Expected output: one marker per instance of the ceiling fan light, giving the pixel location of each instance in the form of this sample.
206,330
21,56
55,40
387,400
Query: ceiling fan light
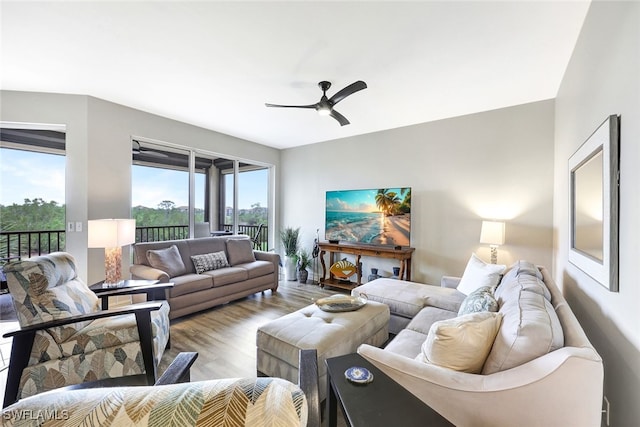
324,111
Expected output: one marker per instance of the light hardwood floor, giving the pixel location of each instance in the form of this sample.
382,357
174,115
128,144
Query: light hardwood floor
225,336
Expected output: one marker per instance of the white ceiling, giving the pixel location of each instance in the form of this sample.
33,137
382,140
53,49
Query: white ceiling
214,64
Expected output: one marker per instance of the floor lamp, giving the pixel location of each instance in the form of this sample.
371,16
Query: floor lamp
492,234
112,234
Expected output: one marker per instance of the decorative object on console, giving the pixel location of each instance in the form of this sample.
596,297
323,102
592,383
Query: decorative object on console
343,269
374,275
396,273
112,234
492,234
594,181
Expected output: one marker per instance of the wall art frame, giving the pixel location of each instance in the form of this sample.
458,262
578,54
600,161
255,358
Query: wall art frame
594,177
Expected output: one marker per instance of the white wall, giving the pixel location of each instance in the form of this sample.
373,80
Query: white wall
497,164
603,78
98,181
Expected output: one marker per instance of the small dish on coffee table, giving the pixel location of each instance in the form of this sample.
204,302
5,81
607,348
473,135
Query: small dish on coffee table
338,303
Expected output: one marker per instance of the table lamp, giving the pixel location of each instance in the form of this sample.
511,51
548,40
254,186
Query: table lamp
492,234
112,234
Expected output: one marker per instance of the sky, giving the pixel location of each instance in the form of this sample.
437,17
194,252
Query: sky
29,175
354,200
25,174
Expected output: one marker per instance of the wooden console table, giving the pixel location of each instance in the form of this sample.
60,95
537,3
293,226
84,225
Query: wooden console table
403,255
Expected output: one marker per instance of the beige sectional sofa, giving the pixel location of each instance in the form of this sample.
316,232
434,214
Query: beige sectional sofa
539,368
206,271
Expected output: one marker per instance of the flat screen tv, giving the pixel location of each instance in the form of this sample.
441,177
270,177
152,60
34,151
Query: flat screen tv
380,216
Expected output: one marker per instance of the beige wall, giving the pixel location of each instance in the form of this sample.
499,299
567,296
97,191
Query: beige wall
497,164
603,78
98,181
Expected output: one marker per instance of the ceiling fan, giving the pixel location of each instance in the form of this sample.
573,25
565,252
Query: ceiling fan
137,148
324,107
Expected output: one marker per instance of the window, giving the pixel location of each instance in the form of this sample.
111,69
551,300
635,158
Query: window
32,196
162,204
251,210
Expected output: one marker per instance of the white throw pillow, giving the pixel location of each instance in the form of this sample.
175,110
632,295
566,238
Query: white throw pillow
478,273
462,343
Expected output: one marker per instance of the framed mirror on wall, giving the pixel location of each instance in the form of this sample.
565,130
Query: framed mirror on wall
594,172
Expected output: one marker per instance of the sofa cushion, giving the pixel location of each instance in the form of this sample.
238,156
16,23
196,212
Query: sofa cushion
461,343
479,300
227,276
407,343
167,260
240,251
258,268
478,273
210,261
530,329
428,316
206,245
406,299
516,280
189,283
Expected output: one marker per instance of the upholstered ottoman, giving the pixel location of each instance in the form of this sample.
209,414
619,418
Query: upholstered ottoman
331,334
406,299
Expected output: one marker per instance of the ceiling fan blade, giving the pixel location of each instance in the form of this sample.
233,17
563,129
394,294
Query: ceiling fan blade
343,93
339,117
291,106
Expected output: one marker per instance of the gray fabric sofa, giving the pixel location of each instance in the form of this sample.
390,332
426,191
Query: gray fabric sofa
246,271
540,370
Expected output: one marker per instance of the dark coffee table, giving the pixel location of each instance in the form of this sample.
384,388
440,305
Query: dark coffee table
153,289
382,402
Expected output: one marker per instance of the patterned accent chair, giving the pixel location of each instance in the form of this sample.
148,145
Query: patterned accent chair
255,402
65,338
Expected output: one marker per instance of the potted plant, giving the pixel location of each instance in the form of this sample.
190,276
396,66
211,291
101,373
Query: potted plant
304,261
289,237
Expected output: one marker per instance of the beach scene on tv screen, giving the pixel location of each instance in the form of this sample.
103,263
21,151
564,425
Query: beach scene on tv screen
376,216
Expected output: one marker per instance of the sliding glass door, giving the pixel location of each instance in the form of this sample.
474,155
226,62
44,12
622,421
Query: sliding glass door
178,193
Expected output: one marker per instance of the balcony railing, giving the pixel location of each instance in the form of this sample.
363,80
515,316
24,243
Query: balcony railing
161,233
25,244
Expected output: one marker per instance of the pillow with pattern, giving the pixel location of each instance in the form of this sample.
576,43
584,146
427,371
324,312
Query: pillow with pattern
481,299
208,262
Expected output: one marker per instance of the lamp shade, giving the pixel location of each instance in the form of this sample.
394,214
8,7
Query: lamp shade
111,233
492,233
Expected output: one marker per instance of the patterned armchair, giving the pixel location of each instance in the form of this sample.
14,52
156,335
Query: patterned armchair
251,402
65,338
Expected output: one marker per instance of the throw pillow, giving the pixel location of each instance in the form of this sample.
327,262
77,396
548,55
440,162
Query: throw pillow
208,262
479,300
240,251
461,343
167,260
478,273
